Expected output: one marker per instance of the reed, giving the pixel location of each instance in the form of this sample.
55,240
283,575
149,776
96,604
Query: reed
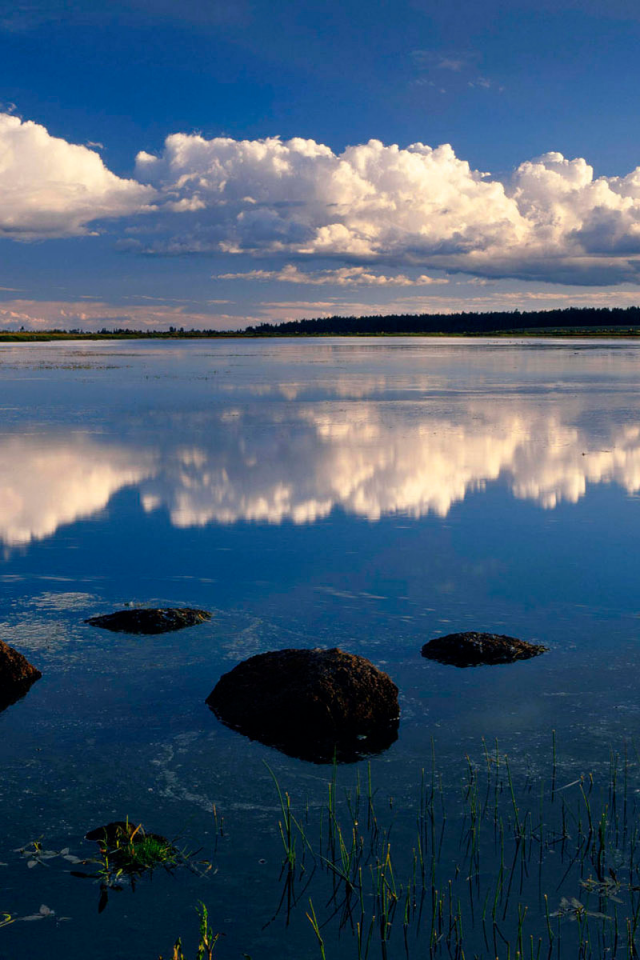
460,883
313,920
206,942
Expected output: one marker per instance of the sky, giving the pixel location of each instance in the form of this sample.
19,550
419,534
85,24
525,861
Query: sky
217,163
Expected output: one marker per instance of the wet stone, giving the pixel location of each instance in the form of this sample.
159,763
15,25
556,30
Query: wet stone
150,620
473,649
311,704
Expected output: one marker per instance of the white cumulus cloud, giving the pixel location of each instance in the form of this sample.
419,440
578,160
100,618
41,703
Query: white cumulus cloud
372,200
52,188
384,211
552,219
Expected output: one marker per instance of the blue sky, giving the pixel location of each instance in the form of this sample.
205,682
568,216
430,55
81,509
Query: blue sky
211,163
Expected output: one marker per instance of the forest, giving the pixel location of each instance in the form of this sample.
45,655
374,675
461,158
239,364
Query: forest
570,319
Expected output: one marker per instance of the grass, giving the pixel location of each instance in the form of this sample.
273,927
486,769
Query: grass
130,852
504,866
127,853
145,854
501,864
206,943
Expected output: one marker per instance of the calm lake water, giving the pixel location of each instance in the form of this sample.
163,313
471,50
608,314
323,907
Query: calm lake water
366,494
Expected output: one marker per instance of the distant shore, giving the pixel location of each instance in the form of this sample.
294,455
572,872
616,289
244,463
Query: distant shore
596,322
44,336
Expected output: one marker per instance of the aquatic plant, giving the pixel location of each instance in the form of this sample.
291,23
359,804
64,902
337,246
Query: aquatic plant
506,866
206,943
126,850
43,913
127,853
37,855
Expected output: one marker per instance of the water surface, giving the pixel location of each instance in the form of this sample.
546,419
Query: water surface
363,494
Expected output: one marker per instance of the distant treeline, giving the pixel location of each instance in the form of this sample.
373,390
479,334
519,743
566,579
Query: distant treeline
457,323
583,321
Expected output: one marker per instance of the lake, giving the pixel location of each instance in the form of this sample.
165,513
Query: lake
368,494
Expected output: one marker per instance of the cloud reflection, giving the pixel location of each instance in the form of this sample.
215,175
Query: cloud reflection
280,464
371,466
45,483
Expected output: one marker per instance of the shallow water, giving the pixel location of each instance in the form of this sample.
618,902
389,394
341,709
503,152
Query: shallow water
362,494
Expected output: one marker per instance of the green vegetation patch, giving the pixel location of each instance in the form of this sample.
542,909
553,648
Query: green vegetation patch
127,853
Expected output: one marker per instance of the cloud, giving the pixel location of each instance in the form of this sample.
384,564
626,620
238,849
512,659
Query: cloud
88,314
398,209
484,82
370,201
455,61
275,311
448,63
51,188
342,277
425,82
153,313
551,220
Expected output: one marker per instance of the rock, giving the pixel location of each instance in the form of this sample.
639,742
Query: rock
112,834
311,704
108,835
16,675
473,649
150,620
127,853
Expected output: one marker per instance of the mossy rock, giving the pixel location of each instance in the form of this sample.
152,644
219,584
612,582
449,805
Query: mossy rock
130,848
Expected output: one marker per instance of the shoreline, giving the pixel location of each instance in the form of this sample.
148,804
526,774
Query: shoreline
559,333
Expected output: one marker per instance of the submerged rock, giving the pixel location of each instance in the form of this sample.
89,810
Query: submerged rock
127,853
16,675
311,704
474,649
112,835
150,620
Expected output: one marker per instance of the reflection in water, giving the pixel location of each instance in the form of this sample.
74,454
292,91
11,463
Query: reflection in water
349,749
46,482
275,464
17,675
16,692
370,466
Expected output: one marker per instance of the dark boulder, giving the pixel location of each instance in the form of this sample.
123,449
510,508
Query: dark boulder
311,704
150,620
474,649
16,675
